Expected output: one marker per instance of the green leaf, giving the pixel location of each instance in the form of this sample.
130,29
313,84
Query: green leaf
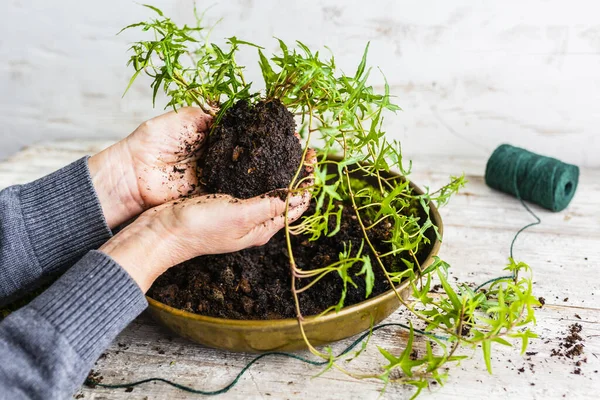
386,204
486,346
267,72
452,296
437,262
363,62
283,48
367,270
235,41
131,26
391,358
502,341
158,11
364,344
156,86
330,362
131,80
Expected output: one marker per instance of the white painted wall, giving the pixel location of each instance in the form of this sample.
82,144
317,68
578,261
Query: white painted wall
468,74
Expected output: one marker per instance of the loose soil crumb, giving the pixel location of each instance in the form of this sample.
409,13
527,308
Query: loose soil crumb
252,151
571,347
542,301
93,379
255,283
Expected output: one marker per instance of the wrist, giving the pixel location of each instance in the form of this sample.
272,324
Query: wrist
114,180
140,251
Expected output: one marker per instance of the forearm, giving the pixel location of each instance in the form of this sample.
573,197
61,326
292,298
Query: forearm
47,225
53,342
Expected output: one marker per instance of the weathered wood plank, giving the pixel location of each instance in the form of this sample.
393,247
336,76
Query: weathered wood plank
479,225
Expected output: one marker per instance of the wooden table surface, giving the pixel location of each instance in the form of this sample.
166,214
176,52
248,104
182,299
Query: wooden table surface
564,252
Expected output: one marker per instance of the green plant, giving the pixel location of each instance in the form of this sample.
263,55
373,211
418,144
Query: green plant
343,115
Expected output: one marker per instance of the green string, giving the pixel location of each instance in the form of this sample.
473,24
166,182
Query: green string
528,176
512,244
227,387
515,190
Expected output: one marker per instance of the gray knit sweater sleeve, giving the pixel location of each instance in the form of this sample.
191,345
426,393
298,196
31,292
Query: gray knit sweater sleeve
47,225
48,347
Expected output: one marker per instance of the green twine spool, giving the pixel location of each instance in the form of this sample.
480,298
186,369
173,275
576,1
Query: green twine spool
542,180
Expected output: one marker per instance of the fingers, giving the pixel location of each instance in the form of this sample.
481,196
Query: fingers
194,117
187,121
310,160
293,214
172,182
217,223
311,157
269,222
300,199
172,137
196,155
262,208
263,232
265,207
309,167
189,127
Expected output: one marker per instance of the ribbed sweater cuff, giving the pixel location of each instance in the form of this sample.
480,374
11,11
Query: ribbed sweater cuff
91,304
63,216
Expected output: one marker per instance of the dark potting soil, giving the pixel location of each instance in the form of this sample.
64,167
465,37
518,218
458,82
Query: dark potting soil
252,151
255,283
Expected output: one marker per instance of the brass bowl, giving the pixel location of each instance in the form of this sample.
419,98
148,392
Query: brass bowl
284,334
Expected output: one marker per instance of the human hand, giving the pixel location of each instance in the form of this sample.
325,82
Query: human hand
205,224
154,164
